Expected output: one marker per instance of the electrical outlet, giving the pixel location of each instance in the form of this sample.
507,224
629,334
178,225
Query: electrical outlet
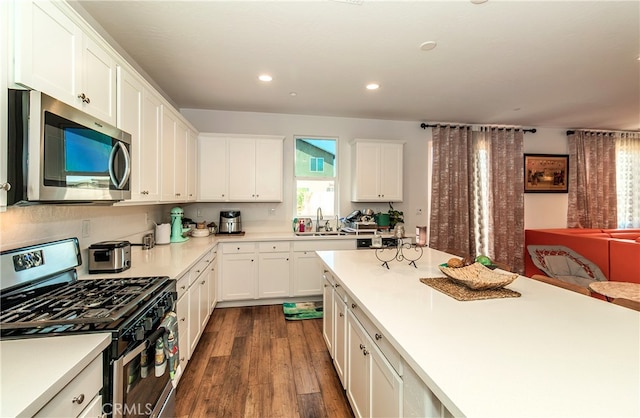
198,213
86,228
272,211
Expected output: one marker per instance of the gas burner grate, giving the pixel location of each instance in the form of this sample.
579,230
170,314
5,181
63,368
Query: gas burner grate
84,302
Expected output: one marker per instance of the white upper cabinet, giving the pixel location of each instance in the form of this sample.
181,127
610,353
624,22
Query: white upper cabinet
54,55
240,168
376,171
213,174
192,165
139,112
167,166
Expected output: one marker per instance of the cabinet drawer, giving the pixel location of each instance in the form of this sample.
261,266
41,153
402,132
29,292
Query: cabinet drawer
324,245
74,397
274,247
182,284
200,267
378,337
239,248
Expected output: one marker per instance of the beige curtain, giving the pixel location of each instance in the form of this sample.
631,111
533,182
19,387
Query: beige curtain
451,221
506,197
592,180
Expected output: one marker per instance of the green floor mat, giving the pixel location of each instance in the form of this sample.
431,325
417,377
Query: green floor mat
302,310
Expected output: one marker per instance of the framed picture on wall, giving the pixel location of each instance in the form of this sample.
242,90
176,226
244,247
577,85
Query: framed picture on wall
546,173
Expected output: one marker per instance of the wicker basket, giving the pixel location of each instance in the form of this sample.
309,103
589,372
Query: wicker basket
478,277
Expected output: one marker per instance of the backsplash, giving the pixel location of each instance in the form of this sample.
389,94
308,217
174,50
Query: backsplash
23,226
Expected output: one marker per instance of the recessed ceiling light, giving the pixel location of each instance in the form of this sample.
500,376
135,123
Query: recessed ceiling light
478,1
265,77
293,94
373,86
428,46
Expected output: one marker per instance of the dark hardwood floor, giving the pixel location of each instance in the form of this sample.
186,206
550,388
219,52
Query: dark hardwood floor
251,362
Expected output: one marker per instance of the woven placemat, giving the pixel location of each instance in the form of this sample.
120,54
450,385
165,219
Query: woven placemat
463,293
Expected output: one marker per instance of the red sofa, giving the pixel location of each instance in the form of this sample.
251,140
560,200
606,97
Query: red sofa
615,251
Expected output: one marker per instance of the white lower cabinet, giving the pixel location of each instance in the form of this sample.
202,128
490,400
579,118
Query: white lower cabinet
78,395
328,316
193,306
340,313
418,401
274,274
239,271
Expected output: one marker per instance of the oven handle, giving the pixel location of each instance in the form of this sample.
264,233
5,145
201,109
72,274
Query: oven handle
146,344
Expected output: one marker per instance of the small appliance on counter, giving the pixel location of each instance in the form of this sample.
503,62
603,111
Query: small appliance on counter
177,231
109,257
230,222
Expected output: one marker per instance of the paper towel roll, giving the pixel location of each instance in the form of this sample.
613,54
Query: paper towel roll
163,233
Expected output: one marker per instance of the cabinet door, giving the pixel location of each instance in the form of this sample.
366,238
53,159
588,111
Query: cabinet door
386,386
213,184
242,169
417,400
194,315
130,98
213,285
180,162
149,158
391,172
183,328
340,341
238,276
328,317
358,364
366,172
192,165
98,82
203,306
268,170
307,274
274,277
47,45
167,167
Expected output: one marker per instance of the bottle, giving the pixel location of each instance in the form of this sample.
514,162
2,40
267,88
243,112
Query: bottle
301,228
160,360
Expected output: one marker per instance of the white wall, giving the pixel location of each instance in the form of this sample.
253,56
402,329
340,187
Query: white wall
541,210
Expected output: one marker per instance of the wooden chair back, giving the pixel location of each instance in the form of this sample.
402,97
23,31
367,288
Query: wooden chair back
560,283
627,303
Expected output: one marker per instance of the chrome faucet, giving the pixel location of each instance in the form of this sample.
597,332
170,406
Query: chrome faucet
318,219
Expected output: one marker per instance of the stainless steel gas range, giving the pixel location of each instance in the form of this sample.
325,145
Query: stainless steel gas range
41,296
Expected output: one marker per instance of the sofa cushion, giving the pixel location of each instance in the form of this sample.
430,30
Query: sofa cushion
565,264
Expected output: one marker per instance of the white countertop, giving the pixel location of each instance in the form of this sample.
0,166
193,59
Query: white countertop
550,352
34,370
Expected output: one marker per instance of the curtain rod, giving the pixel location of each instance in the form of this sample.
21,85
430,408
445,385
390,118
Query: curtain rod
425,126
571,131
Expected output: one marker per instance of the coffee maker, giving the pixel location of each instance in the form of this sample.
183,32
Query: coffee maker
177,230
230,222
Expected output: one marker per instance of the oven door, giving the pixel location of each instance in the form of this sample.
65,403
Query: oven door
142,385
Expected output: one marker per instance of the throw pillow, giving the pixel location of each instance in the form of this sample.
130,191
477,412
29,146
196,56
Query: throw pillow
563,263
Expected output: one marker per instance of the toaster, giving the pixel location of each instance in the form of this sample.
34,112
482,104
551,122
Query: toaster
109,257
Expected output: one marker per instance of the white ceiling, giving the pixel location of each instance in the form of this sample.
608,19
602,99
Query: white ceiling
570,64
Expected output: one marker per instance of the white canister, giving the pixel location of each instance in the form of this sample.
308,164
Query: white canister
163,233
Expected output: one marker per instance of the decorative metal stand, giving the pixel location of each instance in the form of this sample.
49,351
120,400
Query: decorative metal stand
405,251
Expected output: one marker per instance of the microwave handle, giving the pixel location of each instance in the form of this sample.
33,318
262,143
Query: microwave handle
127,165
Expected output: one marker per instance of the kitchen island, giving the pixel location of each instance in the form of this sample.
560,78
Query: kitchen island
549,352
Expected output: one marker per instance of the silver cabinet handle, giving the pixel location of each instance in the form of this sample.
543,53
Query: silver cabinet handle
353,306
378,336
203,282
78,399
341,314
361,346
84,98
365,352
5,186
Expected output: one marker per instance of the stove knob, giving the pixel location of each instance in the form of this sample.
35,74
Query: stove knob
139,333
160,311
148,323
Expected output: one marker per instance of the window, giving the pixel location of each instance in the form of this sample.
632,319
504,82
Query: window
315,176
316,164
627,184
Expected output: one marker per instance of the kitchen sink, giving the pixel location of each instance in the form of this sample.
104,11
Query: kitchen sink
320,234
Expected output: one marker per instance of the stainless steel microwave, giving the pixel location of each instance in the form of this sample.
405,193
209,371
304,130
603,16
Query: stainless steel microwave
59,154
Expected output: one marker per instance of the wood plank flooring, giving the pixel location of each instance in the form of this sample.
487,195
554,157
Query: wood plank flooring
251,362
